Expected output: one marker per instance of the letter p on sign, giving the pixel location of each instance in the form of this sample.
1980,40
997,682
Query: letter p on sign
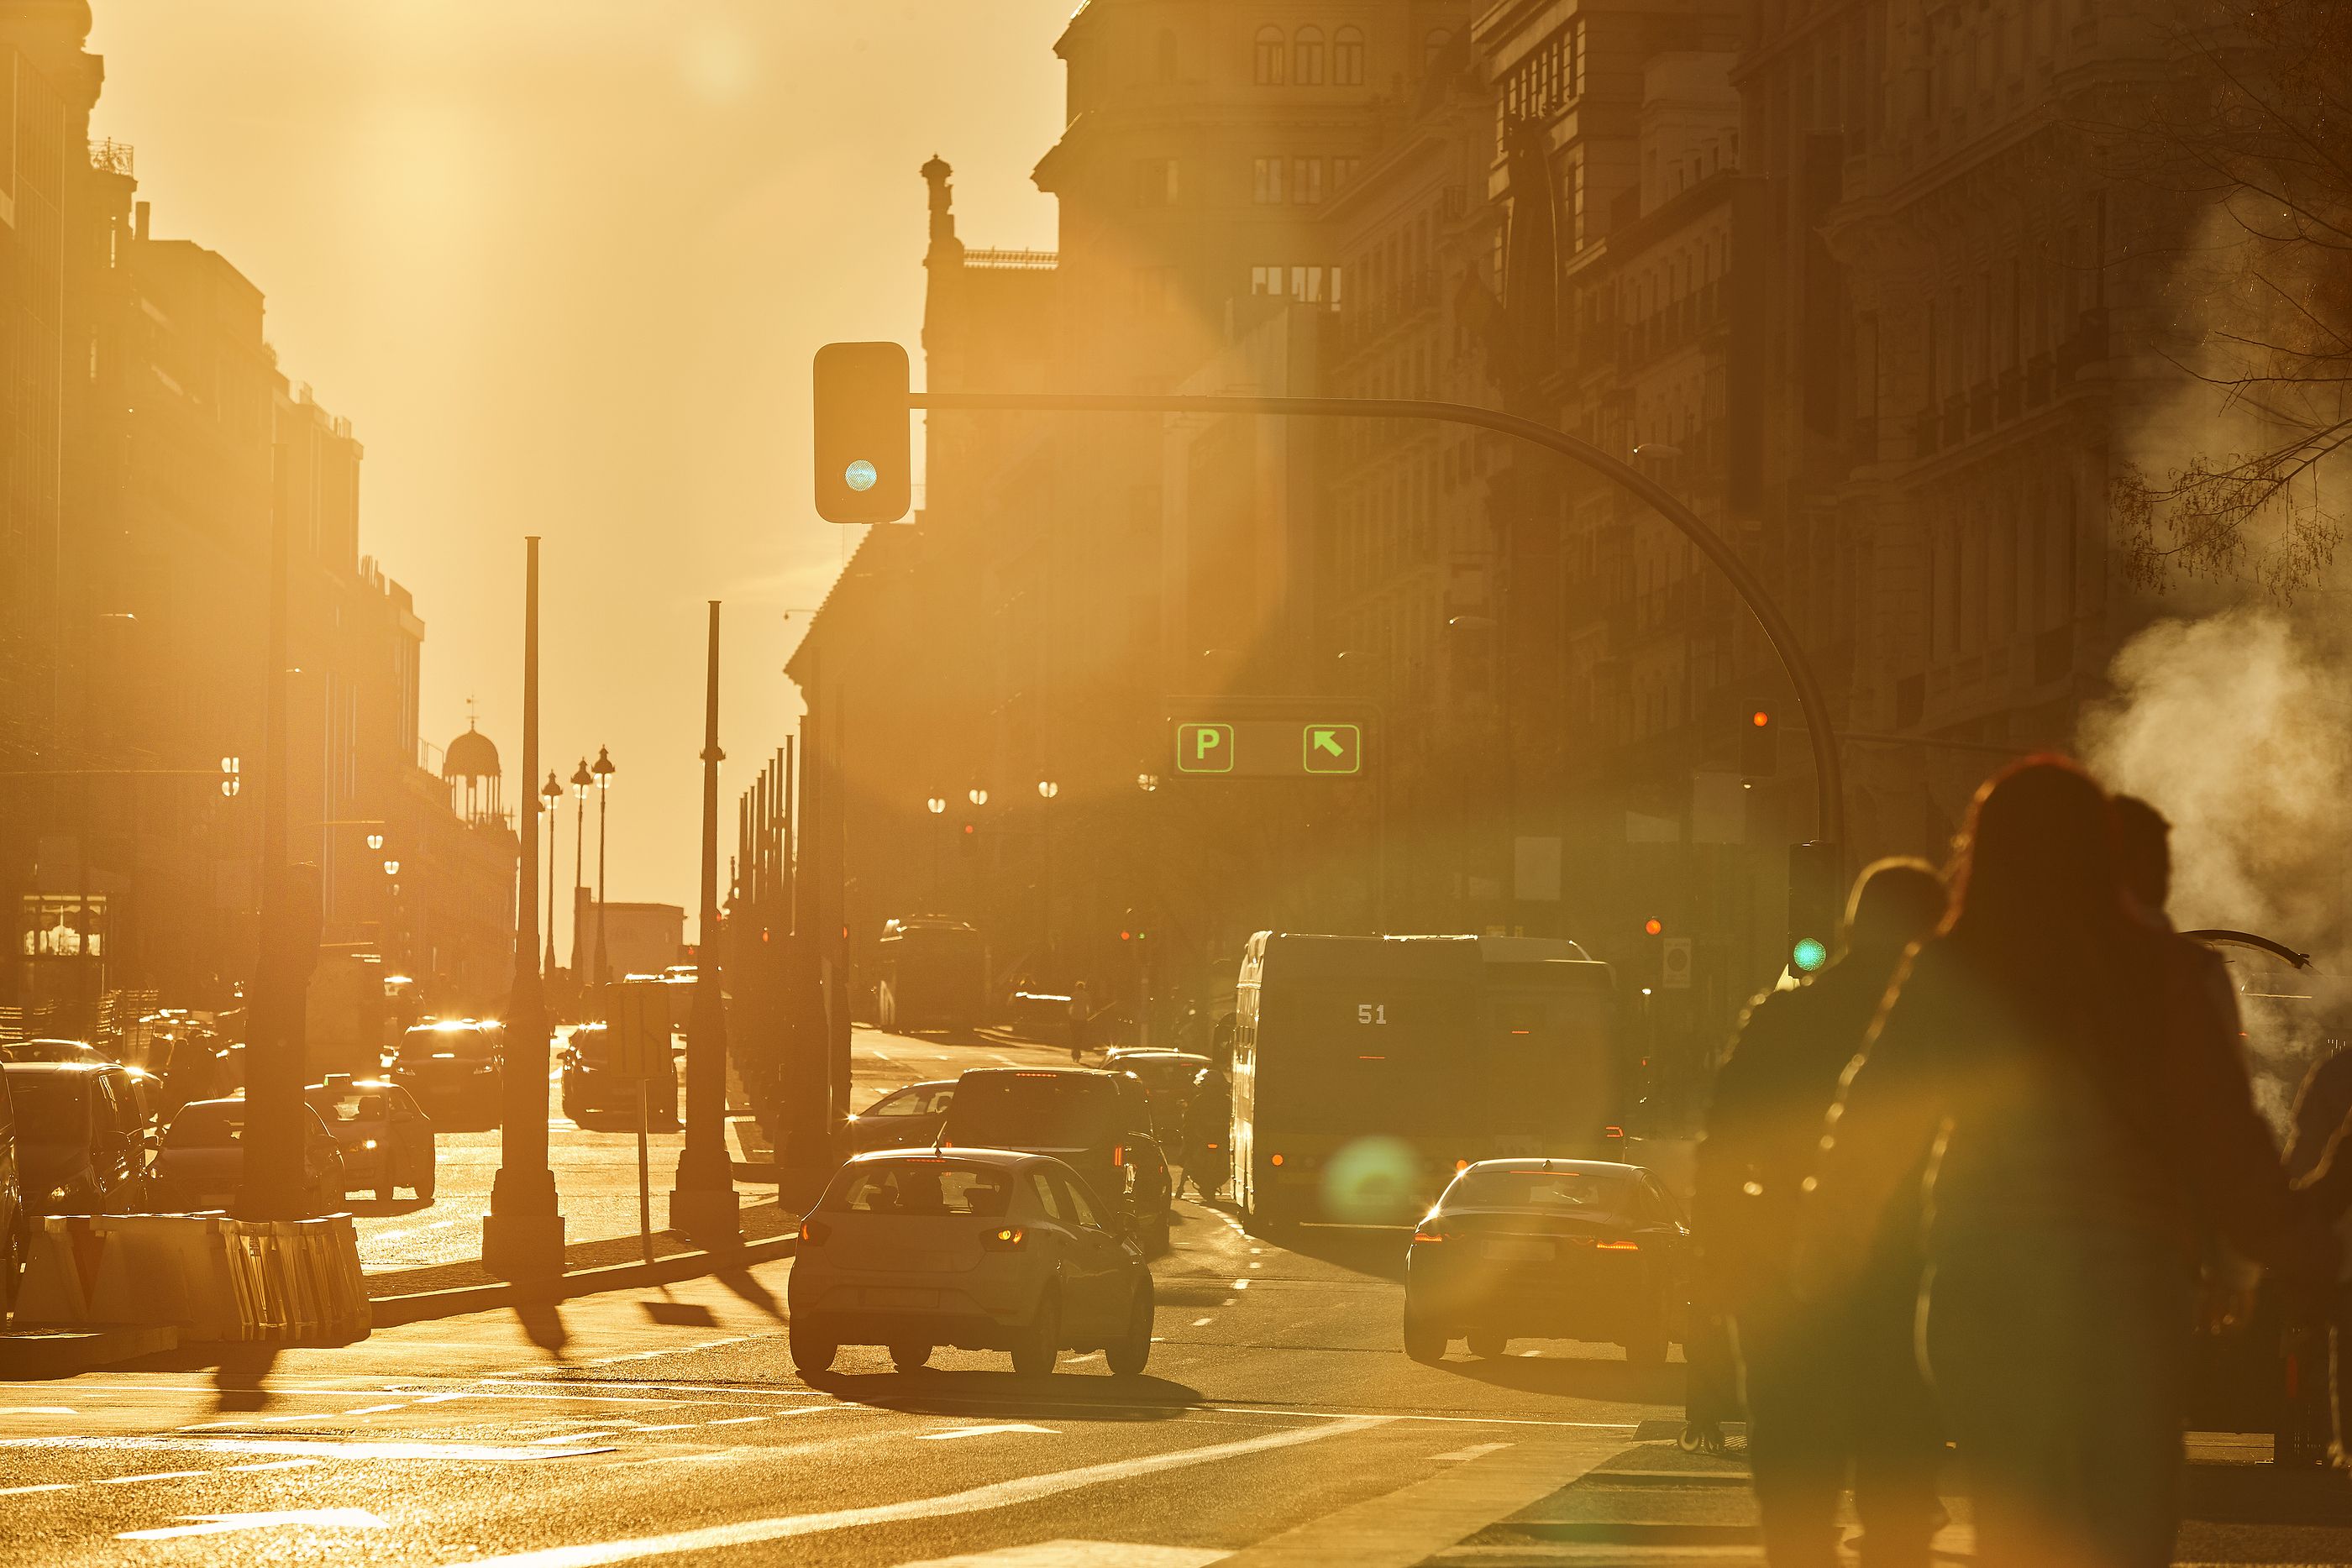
1204,748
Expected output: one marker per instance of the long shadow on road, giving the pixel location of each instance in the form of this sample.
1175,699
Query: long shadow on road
1575,1377
1374,1249
937,1392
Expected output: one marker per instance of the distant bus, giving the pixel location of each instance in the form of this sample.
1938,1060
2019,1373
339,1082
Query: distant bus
1367,1070
929,973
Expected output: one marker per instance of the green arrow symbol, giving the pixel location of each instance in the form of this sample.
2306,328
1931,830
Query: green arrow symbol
1329,740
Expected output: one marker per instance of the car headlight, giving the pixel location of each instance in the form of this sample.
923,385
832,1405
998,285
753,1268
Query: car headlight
369,1145
60,1193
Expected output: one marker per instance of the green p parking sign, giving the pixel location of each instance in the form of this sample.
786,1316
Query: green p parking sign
1204,748
1301,744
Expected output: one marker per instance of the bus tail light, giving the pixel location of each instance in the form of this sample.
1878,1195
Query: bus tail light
1617,1246
1003,1238
814,1231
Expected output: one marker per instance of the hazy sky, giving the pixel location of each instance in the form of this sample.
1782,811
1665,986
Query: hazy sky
564,263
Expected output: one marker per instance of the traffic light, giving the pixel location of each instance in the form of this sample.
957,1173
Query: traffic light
971,837
1816,902
1759,741
863,449
1654,927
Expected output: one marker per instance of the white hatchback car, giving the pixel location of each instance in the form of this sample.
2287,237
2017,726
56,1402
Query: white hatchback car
980,1249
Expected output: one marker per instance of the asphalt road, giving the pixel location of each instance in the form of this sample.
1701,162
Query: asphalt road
1278,1423
595,1165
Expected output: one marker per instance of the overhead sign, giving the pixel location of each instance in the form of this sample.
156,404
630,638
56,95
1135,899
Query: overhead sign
1313,745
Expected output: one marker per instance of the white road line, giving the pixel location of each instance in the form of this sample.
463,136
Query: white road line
374,1410
952,1433
152,1476
1199,1322
1476,1451
277,1464
1241,1285
36,1410
323,1448
1001,1494
46,1486
736,1420
562,1439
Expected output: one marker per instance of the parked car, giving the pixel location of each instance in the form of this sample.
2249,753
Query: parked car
16,1221
79,1051
904,1118
81,1143
984,1249
1540,1248
387,1141
593,1083
455,1068
202,1158
1098,1122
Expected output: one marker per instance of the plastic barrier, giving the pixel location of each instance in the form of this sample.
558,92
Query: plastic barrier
211,1277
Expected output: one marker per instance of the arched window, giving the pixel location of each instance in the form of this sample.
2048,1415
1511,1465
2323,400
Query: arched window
1272,50
1347,58
1306,58
1433,49
1165,65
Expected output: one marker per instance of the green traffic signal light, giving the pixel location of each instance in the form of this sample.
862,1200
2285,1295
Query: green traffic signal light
864,452
1810,954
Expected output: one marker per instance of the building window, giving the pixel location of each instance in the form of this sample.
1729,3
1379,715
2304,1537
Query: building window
1306,58
1265,280
1306,285
1155,183
1433,49
1347,58
1265,181
1307,180
1272,51
1343,172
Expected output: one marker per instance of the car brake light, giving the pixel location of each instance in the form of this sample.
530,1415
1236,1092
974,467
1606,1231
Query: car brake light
1119,1154
1276,1160
1612,1131
1429,1236
1004,1238
1462,1165
814,1231
1617,1245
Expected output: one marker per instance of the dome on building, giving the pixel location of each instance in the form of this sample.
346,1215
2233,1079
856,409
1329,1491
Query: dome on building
470,756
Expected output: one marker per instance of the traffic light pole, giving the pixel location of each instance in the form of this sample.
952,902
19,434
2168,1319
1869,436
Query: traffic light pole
1829,777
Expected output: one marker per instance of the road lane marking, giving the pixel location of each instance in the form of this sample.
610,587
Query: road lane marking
1000,1494
324,1448
952,1433
562,1438
39,1410
738,1420
1199,1322
152,1476
374,1410
277,1464
221,1524
46,1486
1475,1451
1241,1285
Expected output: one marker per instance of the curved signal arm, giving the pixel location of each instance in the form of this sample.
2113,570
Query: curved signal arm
1829,777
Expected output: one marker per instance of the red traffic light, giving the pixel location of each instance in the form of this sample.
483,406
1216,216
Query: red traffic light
1654,927
968,828
1761,718
1126,936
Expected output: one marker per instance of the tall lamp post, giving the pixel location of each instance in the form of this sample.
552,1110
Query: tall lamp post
703,1202
603,770
1046,791
552,793
937,806
581,781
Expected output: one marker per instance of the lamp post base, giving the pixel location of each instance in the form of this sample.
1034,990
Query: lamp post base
711,1216
522,1246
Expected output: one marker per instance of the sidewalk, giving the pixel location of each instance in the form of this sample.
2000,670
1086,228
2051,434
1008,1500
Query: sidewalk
762,1221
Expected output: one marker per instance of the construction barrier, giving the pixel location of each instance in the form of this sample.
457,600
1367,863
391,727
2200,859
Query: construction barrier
211,1277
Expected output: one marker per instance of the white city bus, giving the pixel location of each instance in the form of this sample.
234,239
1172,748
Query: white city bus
1368,1069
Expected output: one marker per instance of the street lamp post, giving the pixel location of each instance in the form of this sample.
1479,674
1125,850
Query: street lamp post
937,806
702,1200
603,770
552,793
581,781
1046,791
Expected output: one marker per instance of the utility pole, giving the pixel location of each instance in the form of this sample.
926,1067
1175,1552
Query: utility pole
703,1202
522,1234
270,1185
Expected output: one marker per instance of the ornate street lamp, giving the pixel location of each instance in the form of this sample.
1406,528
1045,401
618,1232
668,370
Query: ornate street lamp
976,795
581,781
603,770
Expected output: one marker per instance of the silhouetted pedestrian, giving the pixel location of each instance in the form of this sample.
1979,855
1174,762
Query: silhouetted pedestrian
1082,1018
1827,1384
2048,1057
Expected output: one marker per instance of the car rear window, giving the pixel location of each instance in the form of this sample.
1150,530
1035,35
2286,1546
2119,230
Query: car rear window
462,1042
1015,1111
49,1107
930,1189
204,1126
1601,1196
1164,1072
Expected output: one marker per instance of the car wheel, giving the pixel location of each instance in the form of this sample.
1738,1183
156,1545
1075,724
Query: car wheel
1161,1242
425,1185
1424,1341
1039,1347
1648,1350
812,1352
1127,1356
910,1357
1487,1344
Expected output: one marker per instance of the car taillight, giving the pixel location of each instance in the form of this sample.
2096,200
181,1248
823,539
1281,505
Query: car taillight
814,1231
1617,1246
1429,1236
1003,1238
1119,1154
1276,1160
1616,1132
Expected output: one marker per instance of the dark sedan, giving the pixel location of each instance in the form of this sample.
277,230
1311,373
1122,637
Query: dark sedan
454,1069
1547,1249
903,1119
